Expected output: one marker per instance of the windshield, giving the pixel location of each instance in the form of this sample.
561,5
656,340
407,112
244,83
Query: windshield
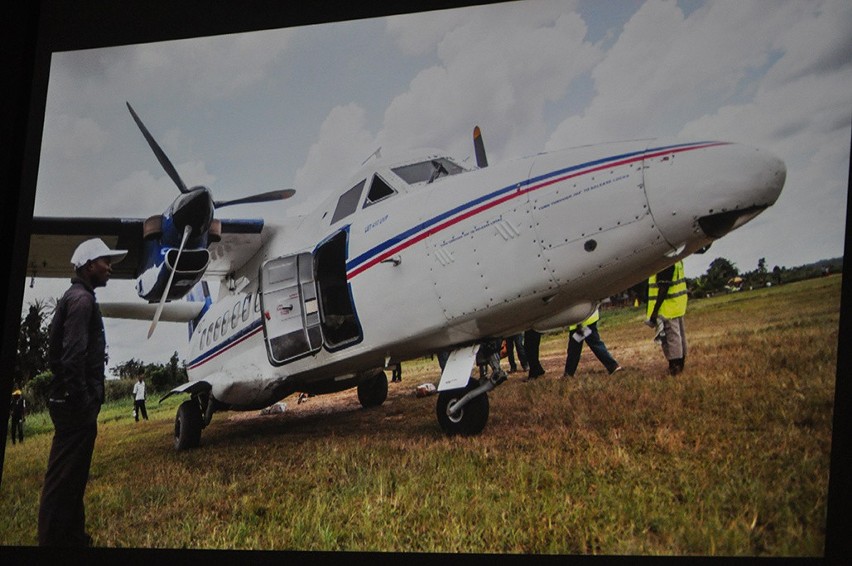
427,171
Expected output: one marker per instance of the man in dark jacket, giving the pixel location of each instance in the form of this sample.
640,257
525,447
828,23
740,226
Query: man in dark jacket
77,356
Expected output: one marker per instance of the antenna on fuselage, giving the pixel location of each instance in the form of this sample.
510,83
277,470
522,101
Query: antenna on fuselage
377,154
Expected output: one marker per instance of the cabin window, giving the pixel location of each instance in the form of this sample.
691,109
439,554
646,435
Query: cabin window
216,329
209,333
379,190
427,171
235,315
246,307
348,202
203,339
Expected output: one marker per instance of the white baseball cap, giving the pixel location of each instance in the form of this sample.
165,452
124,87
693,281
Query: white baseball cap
92,250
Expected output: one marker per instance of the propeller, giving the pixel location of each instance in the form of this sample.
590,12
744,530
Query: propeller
263,197
192,211
158,151
186,232
173,174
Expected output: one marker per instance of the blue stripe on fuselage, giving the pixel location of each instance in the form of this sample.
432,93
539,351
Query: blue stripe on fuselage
398,239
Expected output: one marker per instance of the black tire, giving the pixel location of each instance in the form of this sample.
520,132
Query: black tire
188,425
374,391
472,418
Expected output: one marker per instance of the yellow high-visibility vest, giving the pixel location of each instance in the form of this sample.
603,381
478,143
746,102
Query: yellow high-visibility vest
674,305
594,317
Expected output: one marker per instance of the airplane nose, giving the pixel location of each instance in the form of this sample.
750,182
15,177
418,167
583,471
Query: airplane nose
706,190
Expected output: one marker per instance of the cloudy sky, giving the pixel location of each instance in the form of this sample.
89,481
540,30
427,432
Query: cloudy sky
303,107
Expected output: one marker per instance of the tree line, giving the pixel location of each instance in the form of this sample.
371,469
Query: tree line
723,276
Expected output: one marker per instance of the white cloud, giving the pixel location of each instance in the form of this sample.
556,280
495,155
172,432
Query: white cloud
202,68
335,155
498,67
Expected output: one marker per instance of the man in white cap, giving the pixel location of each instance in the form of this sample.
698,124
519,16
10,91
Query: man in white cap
77,356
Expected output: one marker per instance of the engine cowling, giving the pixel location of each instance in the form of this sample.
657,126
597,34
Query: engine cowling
151,283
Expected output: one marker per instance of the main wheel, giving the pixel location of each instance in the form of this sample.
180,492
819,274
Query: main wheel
188,425
472,417
374,391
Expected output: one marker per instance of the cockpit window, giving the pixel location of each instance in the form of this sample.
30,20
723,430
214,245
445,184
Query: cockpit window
348,202
427,171
379,190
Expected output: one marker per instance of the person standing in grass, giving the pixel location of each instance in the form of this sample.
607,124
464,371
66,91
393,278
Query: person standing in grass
17,415
139,399
667,297
532,343
587,331
516,343
77,356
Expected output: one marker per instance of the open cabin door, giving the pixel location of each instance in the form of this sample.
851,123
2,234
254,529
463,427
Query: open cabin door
340,325
291,319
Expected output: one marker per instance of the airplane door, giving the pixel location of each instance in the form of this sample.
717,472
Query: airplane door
291,320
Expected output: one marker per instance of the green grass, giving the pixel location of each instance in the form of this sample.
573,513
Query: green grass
731,458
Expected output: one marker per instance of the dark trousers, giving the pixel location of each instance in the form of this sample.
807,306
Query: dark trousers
532,341
598,348
513,343
139,404
61,517
17,429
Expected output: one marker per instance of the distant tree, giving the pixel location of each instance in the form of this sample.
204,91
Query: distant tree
32,341
761,272
37,390
132,368
718,274
776,274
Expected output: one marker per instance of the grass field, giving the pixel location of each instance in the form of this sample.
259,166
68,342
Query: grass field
730,458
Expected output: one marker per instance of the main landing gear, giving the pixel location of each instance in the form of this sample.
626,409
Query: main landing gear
373,391
192,416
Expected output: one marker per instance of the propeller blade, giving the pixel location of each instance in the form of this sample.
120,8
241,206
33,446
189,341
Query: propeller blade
263,197
479,148
186,232
158,151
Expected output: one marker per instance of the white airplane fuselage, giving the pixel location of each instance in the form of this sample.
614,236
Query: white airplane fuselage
531,243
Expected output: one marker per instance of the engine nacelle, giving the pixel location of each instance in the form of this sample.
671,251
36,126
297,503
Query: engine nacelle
151,284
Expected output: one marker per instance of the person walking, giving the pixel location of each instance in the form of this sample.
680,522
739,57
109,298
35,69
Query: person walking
17,416
532,343
77,356
667,298
139,399
516,343
587,331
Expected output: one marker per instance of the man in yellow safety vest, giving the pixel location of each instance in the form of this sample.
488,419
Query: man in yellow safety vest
587,331
667,297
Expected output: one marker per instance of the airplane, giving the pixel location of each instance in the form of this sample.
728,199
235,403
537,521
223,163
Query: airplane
417,254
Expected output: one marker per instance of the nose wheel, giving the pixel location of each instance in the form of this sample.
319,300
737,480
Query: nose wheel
467,420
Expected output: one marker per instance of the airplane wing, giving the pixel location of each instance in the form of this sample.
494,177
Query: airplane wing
241,239
53,240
